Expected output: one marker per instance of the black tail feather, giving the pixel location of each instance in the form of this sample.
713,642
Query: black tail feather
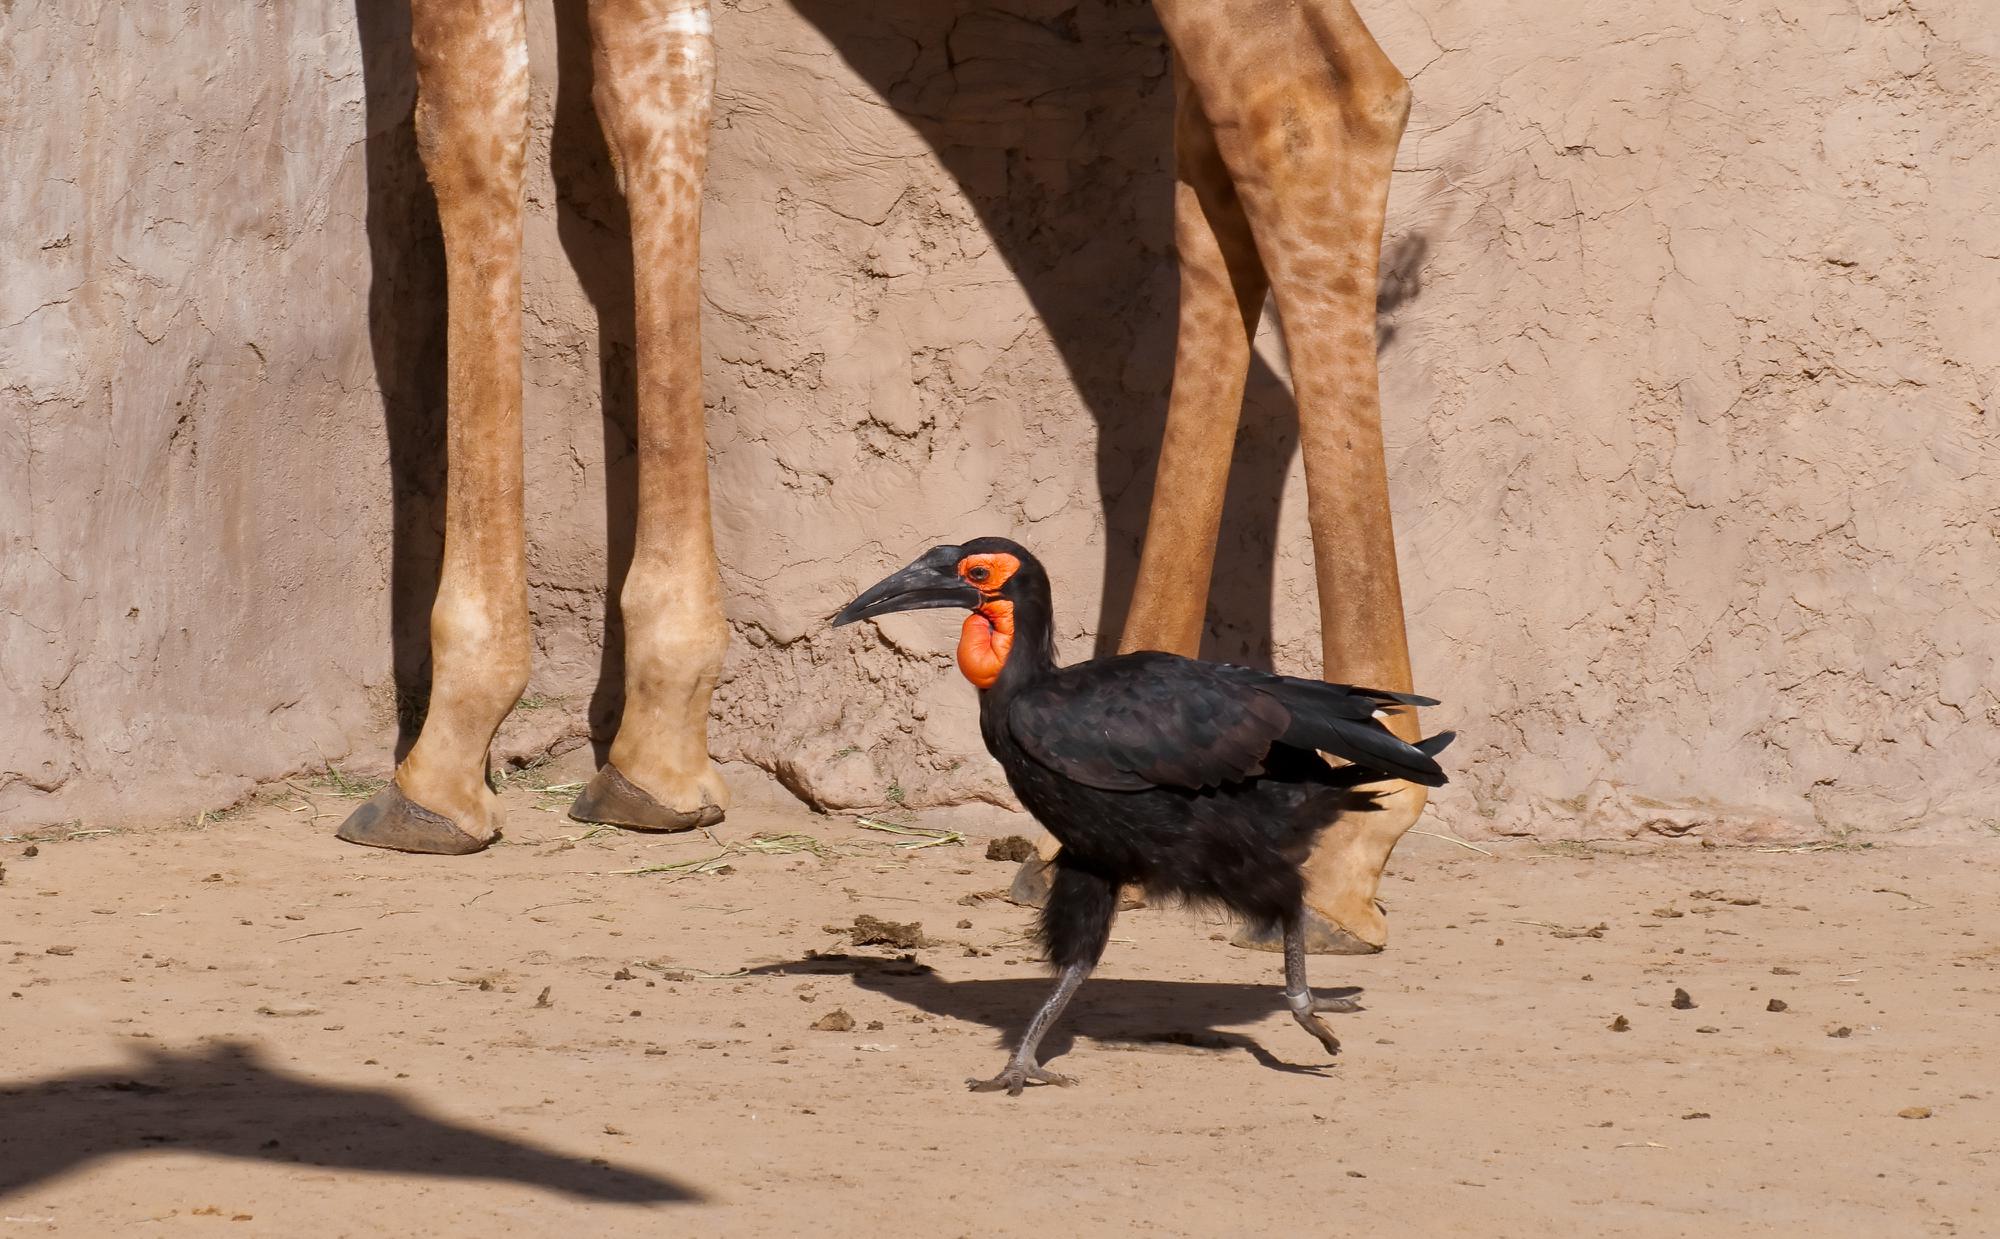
1436,744
1366,742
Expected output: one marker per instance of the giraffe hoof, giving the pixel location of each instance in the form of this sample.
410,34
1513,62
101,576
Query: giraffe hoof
1323,937
1033,879
611,799
1032,882
389,819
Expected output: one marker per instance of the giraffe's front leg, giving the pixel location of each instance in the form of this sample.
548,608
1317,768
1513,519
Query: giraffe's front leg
655,82
472,120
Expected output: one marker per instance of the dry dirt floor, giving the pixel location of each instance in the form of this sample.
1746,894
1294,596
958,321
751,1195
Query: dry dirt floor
243,1027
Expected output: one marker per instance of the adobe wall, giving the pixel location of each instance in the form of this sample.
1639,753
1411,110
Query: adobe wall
1690,352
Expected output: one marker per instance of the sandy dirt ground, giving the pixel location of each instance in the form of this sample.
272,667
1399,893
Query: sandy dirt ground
243,1027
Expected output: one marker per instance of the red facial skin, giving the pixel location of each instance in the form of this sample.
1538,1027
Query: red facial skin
989,631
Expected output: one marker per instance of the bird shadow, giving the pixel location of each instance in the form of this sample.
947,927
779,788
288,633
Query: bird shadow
1112,1010
227,1099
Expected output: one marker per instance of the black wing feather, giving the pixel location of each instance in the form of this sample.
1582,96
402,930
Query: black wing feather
1149,719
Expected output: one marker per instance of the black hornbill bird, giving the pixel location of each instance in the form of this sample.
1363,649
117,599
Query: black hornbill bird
1192,779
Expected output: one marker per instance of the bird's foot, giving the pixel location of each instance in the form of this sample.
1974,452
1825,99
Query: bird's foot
1339,1004
1016,1076
1311,1022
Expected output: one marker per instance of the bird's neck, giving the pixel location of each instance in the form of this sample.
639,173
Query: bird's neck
1004,645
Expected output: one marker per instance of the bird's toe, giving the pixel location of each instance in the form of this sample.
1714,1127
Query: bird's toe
1016,1077
1317,1027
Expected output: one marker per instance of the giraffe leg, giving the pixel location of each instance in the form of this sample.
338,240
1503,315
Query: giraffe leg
472,120
1308,112
655,82
1222,297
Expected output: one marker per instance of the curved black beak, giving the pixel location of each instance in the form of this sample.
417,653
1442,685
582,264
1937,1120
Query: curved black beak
932,581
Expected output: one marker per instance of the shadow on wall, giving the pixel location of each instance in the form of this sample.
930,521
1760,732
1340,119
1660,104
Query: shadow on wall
596,235
226,1100
406,322
406,331
1056,120
1057,129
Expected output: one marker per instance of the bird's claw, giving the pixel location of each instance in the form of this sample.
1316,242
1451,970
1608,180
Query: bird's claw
1016,1076
1317,1027
1341,1006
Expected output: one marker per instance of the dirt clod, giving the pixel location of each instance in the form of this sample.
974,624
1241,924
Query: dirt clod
1010,848
1740,901
59,950
1682,1000
1621,1024
542,999
873,931
1843,1031
1914,1112
836,1020
1777,1004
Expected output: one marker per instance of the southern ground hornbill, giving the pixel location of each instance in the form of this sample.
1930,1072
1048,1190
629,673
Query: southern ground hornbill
1191,779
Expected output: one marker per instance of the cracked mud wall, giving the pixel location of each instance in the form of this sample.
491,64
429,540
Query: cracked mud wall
1690,345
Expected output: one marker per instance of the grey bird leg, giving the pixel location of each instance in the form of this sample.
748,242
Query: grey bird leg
1299,995
1023,1067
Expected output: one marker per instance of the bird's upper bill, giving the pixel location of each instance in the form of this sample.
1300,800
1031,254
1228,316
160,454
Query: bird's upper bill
973,576
932,581
945,576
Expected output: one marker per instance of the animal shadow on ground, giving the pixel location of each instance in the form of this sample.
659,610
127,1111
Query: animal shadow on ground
226,1099
1108,1009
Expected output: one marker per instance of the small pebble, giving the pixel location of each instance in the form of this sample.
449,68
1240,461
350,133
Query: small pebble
1621,1024
1708,1028
1777,1004
1914,1112
1682,1001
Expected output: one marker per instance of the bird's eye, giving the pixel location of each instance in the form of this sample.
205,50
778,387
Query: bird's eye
979,574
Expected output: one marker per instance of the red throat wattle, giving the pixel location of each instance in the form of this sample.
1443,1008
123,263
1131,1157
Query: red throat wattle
984,641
